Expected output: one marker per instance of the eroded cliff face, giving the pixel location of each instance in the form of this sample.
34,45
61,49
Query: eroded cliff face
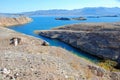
102,40
10,21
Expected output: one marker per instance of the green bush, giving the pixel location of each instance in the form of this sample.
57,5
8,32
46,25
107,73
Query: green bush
108,65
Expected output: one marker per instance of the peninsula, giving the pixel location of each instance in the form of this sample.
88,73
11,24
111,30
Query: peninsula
12,21
98,39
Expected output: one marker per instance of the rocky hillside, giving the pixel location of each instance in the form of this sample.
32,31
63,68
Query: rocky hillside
12,21
99,39
30,60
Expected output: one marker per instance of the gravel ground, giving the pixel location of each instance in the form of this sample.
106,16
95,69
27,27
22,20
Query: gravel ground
32,61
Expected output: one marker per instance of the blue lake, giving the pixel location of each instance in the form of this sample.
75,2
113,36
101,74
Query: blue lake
47,23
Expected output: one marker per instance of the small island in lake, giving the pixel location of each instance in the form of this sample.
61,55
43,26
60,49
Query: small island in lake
62,18
110,16
77,18
93,16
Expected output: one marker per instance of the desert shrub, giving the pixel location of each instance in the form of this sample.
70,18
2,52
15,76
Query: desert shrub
108,65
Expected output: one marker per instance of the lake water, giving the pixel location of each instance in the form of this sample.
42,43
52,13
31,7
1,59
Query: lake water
47,23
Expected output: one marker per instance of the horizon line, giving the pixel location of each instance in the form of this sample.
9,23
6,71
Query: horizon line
51,9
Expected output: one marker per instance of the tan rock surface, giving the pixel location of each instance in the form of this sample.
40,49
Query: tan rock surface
12,21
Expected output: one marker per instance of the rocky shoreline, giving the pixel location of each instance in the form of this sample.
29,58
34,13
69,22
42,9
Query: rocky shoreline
99,39
12,21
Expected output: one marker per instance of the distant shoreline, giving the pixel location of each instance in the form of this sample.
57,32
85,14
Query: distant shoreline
14,21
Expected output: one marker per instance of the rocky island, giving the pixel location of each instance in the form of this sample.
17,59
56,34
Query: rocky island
111,16
93,16
62,18
31,60
77,18
103,16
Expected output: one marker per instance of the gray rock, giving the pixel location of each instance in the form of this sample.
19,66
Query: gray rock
102,40
115,76
5,71
97,71
45,43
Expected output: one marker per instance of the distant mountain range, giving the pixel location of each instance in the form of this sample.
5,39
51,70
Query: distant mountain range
79,12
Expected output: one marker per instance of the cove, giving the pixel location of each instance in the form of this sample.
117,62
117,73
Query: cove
47,23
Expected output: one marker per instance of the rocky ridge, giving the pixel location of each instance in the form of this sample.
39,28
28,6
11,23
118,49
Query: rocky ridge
99,39
12,21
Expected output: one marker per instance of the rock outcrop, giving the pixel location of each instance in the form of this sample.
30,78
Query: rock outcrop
100,39
62,18
65,18
79,18
12,21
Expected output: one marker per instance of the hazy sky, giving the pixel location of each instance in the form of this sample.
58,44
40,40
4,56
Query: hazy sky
14,6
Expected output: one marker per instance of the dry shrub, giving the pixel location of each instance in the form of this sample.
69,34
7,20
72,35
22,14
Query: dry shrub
109,65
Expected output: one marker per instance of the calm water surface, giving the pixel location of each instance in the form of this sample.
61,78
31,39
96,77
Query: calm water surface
47,23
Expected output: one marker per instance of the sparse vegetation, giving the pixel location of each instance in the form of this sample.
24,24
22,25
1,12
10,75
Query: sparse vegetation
108,65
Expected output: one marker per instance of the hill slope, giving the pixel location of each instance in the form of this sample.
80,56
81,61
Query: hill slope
83,11
99,39
12,21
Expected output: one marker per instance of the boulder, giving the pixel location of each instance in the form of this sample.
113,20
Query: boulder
97,71
45,43
115,76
